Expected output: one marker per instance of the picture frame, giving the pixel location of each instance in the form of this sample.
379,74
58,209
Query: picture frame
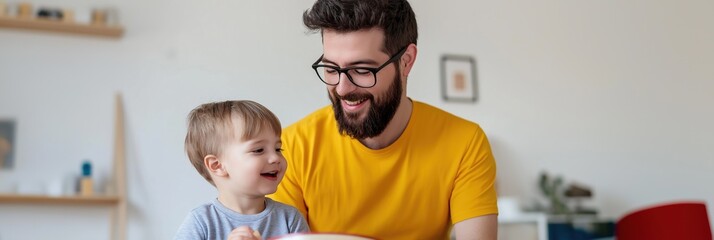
458,78
7,143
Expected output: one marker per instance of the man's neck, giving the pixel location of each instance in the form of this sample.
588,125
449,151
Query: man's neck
394,129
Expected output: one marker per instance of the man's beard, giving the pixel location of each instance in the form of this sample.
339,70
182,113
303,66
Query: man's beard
379,115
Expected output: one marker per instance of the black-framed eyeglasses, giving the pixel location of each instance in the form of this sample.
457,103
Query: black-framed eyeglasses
364,77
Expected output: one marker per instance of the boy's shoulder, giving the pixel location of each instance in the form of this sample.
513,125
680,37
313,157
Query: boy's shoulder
279,207
281,213
204,210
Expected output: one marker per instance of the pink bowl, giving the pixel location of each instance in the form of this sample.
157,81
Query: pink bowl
321,236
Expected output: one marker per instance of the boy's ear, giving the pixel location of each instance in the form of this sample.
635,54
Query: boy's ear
214,166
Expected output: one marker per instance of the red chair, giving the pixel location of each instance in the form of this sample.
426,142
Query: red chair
681,220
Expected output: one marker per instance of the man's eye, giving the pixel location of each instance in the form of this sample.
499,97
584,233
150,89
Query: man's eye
361,71
330,70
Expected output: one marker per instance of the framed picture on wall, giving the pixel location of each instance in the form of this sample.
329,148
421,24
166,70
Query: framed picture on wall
458,78
7,143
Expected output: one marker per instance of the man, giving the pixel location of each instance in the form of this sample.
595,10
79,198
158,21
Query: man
377,163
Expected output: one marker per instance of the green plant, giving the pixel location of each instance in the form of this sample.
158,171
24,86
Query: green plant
552,190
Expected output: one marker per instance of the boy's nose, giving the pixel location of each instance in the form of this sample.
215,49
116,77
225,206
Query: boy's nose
274,159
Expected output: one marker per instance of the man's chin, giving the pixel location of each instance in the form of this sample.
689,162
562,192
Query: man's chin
351,126
354,119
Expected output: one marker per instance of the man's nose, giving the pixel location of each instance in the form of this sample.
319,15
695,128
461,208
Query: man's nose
345,86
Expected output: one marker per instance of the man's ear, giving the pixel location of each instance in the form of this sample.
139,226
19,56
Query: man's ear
408,59
214,165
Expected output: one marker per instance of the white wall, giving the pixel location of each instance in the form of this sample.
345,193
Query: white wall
612,94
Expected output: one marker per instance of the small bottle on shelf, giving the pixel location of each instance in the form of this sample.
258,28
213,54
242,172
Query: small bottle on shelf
3,8
86,185
24,10
68,15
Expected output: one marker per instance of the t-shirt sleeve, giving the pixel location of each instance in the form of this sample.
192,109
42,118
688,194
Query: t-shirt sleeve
191,229
474,191
299,224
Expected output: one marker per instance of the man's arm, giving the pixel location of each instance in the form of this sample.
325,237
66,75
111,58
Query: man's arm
478,228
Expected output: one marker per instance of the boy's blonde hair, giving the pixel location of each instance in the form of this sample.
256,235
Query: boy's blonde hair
212,125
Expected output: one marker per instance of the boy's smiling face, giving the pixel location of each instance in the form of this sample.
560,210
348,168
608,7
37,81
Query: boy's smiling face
254,166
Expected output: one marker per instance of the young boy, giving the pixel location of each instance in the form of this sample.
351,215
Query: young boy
236,146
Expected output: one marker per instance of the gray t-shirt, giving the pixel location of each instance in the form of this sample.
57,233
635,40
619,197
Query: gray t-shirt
215,221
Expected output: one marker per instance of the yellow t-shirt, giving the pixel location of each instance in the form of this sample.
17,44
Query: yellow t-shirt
440,171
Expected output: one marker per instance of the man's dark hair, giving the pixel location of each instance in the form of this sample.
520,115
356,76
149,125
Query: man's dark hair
394,17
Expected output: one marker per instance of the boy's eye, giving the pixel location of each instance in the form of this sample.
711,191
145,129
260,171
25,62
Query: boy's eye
279,150
260,150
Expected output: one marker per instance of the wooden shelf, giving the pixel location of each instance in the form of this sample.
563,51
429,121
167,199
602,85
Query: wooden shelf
117,199
60,26
42,199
